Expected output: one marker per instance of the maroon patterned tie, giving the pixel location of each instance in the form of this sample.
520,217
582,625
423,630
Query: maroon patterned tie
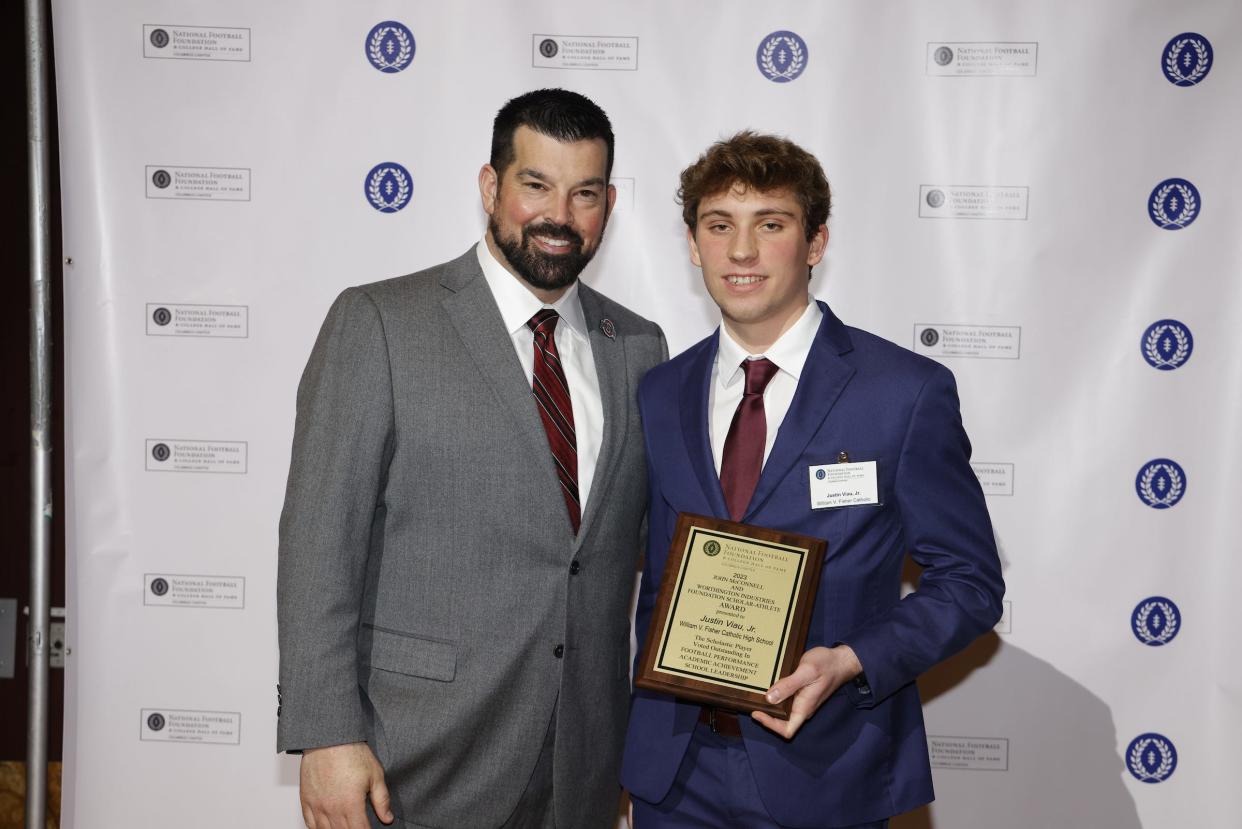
552,394
742,460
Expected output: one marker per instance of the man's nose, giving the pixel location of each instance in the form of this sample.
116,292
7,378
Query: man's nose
742,248
558,211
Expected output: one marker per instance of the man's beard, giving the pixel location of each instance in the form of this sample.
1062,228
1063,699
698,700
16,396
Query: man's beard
545,271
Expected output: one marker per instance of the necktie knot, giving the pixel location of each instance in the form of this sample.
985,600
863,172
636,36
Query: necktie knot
758,374
543,322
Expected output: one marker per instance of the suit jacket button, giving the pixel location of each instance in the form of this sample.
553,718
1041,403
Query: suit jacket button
574,568
558,651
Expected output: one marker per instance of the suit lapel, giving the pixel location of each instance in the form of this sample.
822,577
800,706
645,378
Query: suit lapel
824,376
696,428
472,310
616,391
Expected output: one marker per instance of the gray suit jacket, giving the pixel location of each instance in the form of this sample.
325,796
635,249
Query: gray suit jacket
432,598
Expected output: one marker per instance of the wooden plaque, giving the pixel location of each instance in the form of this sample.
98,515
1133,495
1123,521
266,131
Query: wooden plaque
732,614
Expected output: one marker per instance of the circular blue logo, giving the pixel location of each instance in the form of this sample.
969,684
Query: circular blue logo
156,722
1160,484
820,474
1187,59
943,56
388,187
1151,758
390,46
781,56
1174,204
1155,621
1167,344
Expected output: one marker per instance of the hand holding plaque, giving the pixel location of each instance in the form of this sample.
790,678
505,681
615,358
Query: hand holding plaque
732,614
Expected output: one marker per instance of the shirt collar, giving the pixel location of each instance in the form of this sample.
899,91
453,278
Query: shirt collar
789,352
517,304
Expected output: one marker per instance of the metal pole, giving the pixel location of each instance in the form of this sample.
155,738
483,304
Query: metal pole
40,411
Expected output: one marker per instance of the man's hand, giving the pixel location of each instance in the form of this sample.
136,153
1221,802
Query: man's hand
335,784
820,672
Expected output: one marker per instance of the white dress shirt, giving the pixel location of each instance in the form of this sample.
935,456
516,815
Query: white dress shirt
728,383
517,305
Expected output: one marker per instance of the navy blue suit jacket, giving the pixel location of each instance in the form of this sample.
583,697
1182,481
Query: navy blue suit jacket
863,755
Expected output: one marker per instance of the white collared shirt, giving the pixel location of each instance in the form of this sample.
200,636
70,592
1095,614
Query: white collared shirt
517,305
728,382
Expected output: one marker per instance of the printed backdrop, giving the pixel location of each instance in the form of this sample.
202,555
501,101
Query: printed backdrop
1041,195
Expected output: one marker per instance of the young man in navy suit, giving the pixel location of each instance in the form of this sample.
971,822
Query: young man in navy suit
735,427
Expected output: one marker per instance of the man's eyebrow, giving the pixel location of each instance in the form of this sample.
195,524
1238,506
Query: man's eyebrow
531,172
767,211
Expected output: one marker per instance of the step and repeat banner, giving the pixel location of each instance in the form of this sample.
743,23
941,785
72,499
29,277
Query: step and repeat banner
1040,195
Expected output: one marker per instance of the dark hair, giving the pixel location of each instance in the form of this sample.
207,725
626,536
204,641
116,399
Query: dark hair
556,113
764,162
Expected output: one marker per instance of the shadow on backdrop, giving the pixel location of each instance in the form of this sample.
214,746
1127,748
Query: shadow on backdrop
1063,767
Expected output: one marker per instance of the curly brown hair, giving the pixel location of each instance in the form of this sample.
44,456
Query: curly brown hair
764,162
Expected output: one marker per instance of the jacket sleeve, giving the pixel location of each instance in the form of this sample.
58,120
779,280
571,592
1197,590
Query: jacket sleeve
948,533
341,447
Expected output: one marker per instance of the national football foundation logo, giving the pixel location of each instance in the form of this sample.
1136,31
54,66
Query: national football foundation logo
1167,345
1160,484
1156,621
1151,758
1187,59
1174,204
782,56
388,187
390,46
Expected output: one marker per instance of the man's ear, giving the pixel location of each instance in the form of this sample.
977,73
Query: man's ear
694,248
819,243
612,200
489,183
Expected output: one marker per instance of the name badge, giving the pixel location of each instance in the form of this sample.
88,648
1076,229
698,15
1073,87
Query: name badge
844,485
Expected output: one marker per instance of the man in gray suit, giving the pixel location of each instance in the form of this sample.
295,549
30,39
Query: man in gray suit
461,526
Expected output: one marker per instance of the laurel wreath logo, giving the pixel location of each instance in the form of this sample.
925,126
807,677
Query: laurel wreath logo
375,49
1190,205
1151,346
1201,61
1144,631
377,197
1139,768
796,58
1176,484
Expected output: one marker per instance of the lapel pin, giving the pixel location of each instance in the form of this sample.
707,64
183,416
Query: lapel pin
610,330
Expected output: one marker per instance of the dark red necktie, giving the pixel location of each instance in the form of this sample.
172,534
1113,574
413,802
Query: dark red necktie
742,460
552,394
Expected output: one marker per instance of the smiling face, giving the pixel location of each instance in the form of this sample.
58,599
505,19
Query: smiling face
755,256
547,210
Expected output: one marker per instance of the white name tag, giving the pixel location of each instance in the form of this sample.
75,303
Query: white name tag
844,485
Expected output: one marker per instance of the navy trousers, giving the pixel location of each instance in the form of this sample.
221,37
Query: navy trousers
714,788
